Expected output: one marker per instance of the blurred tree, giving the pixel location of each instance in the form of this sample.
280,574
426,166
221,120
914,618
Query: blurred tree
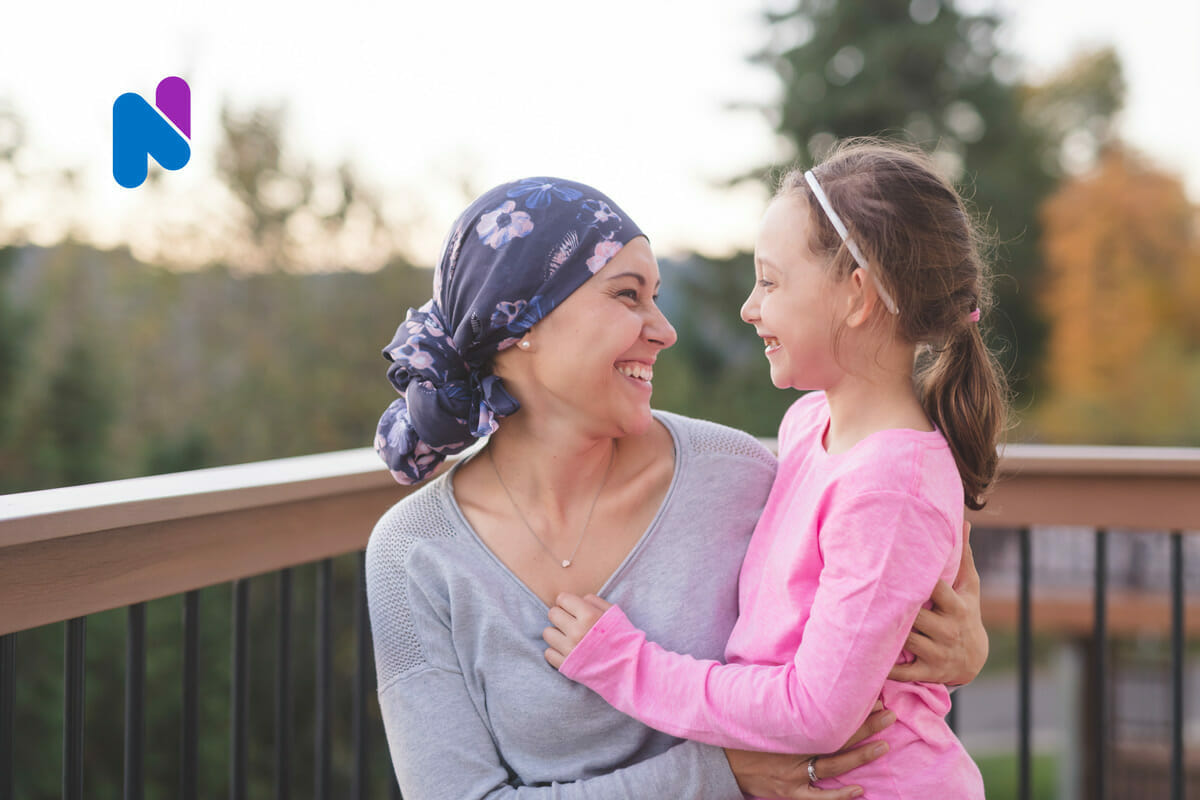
292,213
926,72
15,331
12,137
1122,252
1076,109
74,420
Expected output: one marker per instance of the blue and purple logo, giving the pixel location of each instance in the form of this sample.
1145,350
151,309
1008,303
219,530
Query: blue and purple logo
142,131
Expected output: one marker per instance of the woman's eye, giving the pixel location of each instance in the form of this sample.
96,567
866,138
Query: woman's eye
630,293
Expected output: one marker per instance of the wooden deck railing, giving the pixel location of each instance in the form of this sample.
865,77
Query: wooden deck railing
67,553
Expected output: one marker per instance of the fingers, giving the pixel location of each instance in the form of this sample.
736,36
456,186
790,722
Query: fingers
560,645
918,670
844,793
968,576
598,603
877,721
942,626
841,763
557,639
573,604
560,617
946,600
925,648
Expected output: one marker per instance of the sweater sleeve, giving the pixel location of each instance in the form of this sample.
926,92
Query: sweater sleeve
882,554
441,746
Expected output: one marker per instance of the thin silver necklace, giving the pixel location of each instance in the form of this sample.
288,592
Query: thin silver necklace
567,561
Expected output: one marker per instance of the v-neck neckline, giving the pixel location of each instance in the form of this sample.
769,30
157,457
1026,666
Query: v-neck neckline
452,502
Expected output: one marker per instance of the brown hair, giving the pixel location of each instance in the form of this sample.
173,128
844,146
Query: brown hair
923,247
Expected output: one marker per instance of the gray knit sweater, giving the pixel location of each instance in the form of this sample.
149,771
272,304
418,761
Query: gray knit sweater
472,709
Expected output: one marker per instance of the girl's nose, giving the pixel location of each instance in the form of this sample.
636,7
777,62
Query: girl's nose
750,308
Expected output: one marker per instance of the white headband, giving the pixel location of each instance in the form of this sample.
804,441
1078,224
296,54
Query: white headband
850,244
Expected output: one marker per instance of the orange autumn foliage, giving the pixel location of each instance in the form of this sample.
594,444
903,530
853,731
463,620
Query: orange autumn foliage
1122,296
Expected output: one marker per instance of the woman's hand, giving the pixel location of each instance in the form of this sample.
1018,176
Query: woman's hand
786,776
948,640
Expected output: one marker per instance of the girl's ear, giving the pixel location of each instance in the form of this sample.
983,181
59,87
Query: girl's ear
861,298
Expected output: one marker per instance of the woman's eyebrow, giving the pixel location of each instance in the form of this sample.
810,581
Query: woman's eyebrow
639,278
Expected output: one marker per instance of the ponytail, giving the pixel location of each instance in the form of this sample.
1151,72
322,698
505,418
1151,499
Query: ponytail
962,390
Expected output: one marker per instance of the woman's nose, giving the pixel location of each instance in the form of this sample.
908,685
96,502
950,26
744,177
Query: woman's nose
660,330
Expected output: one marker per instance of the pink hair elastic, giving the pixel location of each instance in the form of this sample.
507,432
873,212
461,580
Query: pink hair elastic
974,315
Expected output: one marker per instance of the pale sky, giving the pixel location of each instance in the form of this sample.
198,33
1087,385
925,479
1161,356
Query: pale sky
629,95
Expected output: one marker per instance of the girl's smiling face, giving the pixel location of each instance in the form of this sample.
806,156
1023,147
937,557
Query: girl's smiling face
794,300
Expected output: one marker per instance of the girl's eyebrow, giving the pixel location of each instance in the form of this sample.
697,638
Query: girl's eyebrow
639,278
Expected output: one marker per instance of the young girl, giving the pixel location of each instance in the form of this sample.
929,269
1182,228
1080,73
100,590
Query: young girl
865,266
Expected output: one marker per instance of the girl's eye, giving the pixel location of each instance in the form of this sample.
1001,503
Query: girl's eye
764,283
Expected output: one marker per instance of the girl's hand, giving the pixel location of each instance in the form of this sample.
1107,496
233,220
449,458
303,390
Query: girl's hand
949,640
573,617
785,775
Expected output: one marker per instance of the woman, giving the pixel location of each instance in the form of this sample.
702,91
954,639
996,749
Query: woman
544,314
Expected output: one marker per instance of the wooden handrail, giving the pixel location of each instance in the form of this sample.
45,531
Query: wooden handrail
1110,487
78,550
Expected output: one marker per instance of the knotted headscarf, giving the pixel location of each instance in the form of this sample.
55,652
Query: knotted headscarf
516,253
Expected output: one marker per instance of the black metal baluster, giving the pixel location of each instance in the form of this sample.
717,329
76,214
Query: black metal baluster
73,708
1177,646
283,691
324,678
189,732
135,697
8,688
240,689
1024,665
362,679
1100,638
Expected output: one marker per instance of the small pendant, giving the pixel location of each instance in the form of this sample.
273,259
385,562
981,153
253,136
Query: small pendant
566,563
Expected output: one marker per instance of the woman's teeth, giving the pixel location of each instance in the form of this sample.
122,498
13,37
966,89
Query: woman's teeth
639,372
770,341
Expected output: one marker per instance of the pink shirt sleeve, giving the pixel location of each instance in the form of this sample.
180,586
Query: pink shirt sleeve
883,552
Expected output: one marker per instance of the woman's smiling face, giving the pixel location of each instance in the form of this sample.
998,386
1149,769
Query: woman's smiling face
593,356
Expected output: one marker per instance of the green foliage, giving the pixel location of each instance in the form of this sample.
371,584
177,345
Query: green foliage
14,337
1000,776
137,369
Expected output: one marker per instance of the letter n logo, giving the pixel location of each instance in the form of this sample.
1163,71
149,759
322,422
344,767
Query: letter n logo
139,131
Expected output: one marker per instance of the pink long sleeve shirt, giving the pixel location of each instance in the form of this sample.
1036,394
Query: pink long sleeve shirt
848,549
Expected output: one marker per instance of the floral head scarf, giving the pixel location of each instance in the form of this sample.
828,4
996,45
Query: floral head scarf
516,253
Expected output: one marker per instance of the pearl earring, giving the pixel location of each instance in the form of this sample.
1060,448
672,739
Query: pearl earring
524,345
